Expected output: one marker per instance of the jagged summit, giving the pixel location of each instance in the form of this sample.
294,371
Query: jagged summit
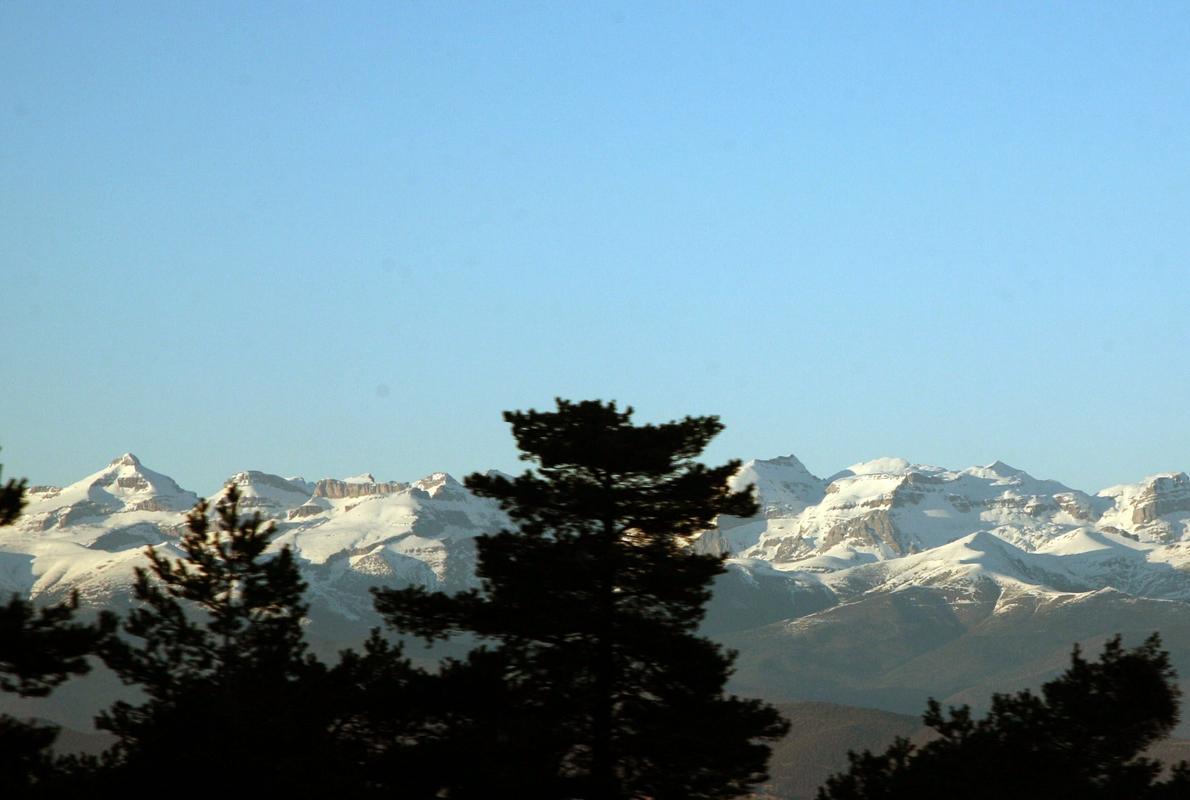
270,494
1000,468
123,493
1154,482
785,461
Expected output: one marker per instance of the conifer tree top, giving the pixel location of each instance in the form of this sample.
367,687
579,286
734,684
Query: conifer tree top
594,464
598,436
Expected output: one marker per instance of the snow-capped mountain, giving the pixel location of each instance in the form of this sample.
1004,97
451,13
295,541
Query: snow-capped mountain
887,525
869,586
349,534
880,525
906,581
123,486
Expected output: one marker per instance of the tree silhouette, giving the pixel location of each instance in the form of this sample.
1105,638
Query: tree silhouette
12,500
39,649
592,605
1081,737
216,646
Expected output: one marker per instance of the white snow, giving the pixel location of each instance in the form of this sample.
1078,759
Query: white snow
880,525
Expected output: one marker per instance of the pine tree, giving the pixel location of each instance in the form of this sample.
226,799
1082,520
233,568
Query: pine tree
1082,737
39,649
393,724
593,603
216,646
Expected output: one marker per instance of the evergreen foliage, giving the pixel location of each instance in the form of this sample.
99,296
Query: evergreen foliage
12,500
42,647
233,700
39,649
1081,737
217,648
601,687
386,724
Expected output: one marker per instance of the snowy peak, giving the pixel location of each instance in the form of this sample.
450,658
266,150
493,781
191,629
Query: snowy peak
783,488
783,485
126,460
271,495
124,486
889,508
886,466
1154,509
442,486
998,467
880,525
138,488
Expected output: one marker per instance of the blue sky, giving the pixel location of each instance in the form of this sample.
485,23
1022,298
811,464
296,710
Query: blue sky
326,238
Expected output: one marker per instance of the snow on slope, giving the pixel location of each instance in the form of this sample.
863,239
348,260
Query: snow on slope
269,494
124,486
784,488
89,535
887,524
1080,561
889,508
348,534
1156,509
878,526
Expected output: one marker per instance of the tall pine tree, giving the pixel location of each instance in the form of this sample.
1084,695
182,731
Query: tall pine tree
232,701
593,604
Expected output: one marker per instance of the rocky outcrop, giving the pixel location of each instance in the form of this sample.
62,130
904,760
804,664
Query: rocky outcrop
1078,506
1166,494
337,490
307,510
1157,509
873,529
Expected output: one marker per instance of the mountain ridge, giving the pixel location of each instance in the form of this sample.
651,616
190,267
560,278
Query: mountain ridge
876,525
880,585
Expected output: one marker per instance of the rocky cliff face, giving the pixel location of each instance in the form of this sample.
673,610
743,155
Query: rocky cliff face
338,490
1157,509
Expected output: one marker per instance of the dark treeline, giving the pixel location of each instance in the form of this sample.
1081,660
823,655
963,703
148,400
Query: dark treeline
591,681
1082,737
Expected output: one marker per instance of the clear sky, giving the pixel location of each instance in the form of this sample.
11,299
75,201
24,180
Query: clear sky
324,238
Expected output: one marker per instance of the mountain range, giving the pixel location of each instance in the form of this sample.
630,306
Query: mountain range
877,586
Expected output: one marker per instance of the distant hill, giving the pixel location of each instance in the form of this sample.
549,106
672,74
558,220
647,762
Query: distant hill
818,741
